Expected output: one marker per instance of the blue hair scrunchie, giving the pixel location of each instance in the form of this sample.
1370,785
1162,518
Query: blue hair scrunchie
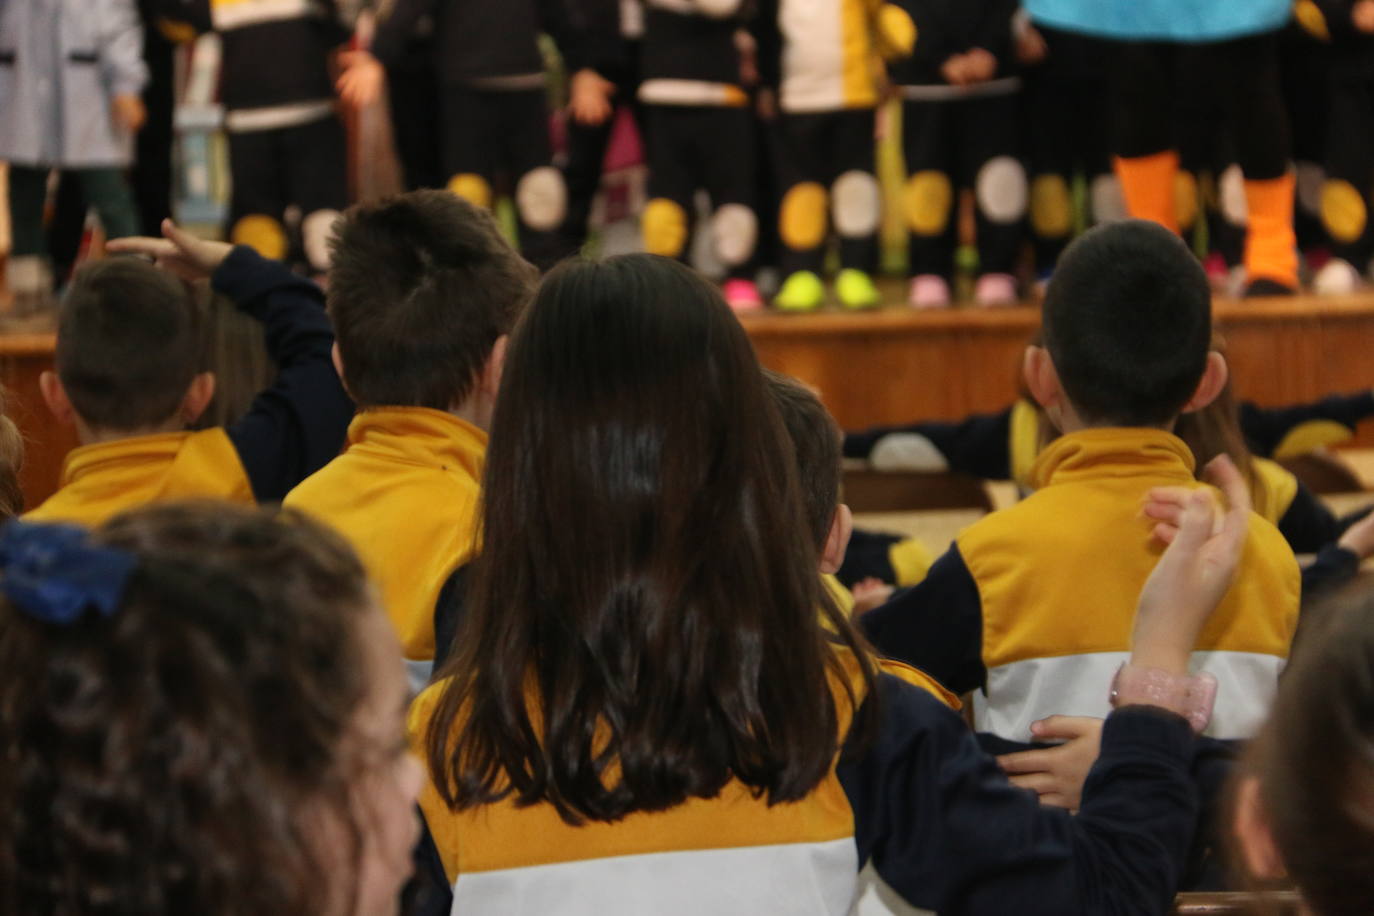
54,574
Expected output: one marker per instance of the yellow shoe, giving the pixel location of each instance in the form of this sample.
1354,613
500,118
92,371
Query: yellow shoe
801,292
856,290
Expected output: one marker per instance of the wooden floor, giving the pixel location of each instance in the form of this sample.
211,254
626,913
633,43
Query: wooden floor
896,365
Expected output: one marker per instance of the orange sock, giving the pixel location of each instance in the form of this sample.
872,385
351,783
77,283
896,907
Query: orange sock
1148,184
1271,247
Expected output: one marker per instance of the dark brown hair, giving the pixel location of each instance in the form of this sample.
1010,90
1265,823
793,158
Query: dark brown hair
644,621
421,287
155,761
129,342
1128,322
816,442
11,462
1315,760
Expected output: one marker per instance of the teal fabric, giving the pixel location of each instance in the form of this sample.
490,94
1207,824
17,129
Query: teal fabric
1163,20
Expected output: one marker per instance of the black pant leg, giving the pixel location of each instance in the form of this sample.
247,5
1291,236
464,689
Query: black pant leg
540,195
667,220
587,144
928,200
993,168
258,201
413,97
67,228
317,182
1141,81
803,220
151,175
1249,69
1346,195
727,149
856,205
470,143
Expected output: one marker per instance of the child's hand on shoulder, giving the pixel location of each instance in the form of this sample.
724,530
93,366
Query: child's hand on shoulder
177,252
1056,774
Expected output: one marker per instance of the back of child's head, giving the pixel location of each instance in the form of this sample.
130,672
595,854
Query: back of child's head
1315,762
646,563
129,343
1128,323
816,444
421,287
176,693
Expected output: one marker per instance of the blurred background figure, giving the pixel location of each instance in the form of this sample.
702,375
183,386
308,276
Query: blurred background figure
71,77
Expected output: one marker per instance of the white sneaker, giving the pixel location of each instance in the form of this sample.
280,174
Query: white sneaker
1336,278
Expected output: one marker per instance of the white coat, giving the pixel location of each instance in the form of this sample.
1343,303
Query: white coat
61,63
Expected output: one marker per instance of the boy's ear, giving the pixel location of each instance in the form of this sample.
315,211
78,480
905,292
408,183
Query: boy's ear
1259,852
1042,379
55,396
198,397
837,541
337,359
1214,379
495,365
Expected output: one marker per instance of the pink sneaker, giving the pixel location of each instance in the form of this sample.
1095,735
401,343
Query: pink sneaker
929,291
995,290
1218,273
742,295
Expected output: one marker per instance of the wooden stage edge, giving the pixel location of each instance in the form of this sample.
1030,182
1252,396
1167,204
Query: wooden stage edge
897,365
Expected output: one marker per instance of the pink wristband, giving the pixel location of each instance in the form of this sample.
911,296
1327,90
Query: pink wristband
1190,697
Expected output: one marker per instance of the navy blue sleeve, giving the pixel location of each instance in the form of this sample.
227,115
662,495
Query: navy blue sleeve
979,445
298,424
1308,525
942,825
936,625
449,610
1265,427
1334,567
428,892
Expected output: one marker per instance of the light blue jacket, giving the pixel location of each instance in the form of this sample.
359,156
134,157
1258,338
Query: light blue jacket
61,62
1163,20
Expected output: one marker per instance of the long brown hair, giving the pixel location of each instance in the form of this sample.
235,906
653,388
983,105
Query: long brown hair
644,621
158,760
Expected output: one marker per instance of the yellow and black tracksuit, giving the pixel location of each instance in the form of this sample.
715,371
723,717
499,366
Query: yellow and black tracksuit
961,137
287,147
404,493
824,59
290,430
492,102
921,804
700,129
1034,605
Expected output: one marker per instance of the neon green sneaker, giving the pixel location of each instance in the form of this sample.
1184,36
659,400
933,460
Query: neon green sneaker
856,290
801,292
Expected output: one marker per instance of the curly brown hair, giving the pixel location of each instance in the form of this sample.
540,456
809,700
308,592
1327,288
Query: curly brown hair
159,760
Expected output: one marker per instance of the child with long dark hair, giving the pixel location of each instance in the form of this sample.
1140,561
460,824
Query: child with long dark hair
644,711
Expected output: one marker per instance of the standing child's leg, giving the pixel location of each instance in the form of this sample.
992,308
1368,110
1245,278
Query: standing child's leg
471,144
541,197
726,144
259,196
317,183
30,274
856,206
112,199
1345,197
802,215
666,223
928,201
1146,158
987,133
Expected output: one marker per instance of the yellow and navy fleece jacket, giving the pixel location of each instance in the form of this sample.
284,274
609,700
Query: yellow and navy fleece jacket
690,55
921,803
290,431
1005,446
492,43
1035,604
827,55
405,494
